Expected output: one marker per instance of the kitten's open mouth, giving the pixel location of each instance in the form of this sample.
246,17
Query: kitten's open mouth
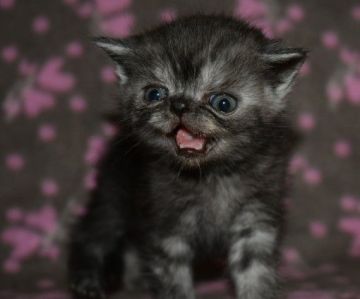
189,143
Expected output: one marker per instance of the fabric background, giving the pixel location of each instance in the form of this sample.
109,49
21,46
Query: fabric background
55,87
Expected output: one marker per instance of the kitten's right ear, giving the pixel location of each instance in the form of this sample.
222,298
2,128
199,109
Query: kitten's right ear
117,50
114,47
283,65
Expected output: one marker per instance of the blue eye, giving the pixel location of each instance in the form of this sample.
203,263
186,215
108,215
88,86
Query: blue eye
223,103
153,94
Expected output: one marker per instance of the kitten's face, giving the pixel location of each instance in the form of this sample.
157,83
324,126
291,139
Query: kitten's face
194,89
196,116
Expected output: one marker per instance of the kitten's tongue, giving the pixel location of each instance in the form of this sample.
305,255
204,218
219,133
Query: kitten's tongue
185,139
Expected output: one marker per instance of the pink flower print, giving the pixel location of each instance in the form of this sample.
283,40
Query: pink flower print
113,20
306,121
283,26
340,279
26,68
23,241
77,103
355,12
259,14
348,203
9,54
11,107
348,56
108,74
342,148
85,10
90,180
250,9
50,251
290,255
265,26
355,247
118,26
41,24
109,130
96,147
351,225
47,132
7,4
15,161
352,88
110,6
52,78
44,219
11,266
45,283
305,69
297,163
312,176
74,49
14,215
49,187
334,92
78,210
29,236
167,15
318,229
292,272
36,100
311,294
330,39
295,12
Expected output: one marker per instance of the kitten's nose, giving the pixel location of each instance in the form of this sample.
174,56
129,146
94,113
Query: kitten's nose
178,106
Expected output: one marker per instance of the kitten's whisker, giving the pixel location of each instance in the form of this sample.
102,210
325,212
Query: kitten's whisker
122,138
136,144
180,169
200,173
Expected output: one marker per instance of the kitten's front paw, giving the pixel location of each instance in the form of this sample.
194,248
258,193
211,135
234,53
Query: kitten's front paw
87,286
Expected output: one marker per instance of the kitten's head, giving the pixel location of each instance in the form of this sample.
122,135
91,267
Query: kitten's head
195,88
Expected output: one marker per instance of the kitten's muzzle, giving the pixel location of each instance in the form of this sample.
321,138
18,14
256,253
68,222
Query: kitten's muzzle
179,106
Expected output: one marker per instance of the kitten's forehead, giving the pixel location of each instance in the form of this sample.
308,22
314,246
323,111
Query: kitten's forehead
198,55
211,64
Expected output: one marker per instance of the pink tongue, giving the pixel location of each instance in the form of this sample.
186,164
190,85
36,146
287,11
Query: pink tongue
185,140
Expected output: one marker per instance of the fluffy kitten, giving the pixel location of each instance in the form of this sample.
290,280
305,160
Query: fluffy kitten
200,165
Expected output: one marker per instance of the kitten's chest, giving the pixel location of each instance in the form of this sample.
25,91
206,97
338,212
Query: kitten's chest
218,203
204,208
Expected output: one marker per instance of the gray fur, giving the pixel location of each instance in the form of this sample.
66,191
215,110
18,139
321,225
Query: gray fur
173,207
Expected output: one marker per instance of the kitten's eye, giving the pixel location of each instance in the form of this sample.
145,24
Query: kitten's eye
223,103
153,94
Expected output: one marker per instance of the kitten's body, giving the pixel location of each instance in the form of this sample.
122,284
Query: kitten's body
172,205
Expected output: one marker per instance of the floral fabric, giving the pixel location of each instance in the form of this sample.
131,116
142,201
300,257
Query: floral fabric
55,86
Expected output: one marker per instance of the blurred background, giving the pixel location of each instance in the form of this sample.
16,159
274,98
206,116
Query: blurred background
56,88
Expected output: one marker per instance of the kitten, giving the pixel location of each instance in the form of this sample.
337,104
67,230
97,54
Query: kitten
199,168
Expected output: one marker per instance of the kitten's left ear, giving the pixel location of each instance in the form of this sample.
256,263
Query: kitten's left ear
282,67
118,50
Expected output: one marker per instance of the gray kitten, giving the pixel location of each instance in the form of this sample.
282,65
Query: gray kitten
199,169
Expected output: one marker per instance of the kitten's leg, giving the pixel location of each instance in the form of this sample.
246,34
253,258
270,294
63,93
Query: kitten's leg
93,241
170,275
132,277
253,254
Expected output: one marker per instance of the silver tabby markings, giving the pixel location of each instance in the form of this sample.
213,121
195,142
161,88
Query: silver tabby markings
200,164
